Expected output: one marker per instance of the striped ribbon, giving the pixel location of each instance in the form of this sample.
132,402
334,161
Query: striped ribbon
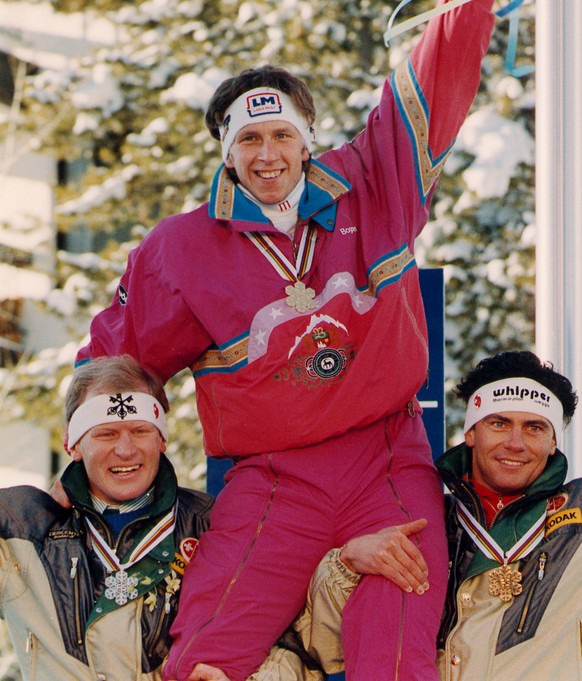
281,264
394,31
490,547
155,536
510,9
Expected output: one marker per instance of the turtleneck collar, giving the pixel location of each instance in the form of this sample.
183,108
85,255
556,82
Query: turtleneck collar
283,215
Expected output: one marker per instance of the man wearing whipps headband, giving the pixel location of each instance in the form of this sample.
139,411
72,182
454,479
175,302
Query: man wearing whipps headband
514,604
293,296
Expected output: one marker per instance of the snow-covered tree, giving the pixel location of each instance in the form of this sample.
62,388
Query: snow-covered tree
127,127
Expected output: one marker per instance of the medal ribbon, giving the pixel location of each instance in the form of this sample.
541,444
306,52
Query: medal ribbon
391,32
154,537
490,547
279,261
510,9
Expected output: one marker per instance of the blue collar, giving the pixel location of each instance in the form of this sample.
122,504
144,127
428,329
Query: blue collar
323,188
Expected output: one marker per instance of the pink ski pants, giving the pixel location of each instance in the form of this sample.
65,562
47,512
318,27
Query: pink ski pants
277,517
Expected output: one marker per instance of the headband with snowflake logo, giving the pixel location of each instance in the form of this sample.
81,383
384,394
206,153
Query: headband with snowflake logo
116,408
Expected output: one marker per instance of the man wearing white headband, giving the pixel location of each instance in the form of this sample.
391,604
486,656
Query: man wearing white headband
514,606
86,587
293,296
89,590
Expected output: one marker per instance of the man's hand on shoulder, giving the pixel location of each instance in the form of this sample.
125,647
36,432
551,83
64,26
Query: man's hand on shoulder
390,552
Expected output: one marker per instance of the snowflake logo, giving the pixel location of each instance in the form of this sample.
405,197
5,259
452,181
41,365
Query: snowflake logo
122,406
121,587
300,297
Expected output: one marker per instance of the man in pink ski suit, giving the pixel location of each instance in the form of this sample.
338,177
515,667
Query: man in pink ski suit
293,295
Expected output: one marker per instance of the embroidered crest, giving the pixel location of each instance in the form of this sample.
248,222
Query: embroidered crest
320,336
122,295
557,502
326,363
189,548
333,351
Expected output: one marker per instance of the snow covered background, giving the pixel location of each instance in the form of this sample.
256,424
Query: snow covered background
116,95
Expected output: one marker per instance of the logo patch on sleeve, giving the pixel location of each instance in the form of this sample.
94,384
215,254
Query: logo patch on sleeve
557,502
571,516
122,295
188,550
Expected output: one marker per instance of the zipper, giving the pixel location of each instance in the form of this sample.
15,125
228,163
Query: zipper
30,649
476,503
161,619
241,566
417,331
542,560
501,510
450,612
98,521
74,577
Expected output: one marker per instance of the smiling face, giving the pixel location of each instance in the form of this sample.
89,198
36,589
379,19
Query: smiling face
268,159
121,459
510,450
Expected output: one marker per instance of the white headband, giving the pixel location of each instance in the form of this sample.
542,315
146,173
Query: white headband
514,394
120,407
260,105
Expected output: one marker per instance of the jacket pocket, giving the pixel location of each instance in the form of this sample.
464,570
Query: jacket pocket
542,561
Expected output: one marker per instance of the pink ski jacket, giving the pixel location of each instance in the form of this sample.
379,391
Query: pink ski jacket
206,290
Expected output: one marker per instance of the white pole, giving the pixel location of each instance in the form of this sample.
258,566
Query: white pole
559,200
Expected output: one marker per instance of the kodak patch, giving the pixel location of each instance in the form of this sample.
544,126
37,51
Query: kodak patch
571,516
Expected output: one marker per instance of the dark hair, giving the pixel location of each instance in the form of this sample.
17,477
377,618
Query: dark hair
268,76
520,364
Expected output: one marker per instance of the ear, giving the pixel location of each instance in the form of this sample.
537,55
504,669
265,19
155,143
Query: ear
470,437
229,163
553,447
75,453
305,155
163,447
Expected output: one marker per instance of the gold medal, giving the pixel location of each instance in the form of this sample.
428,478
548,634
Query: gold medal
505,582
300,297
